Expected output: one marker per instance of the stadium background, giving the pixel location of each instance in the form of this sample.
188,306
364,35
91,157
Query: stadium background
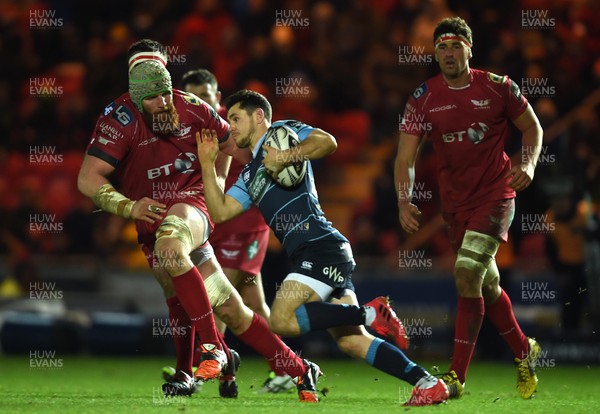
74,282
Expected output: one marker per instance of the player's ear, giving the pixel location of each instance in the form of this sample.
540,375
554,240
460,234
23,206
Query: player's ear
259,115
470,54
218,95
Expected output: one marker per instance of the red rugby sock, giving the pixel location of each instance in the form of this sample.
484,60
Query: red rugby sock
468,323
502,316
183,338
260,338
192,295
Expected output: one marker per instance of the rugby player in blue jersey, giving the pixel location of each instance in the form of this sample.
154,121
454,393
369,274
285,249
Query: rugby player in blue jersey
318,294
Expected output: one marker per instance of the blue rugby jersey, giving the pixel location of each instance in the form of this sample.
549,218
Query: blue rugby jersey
294,215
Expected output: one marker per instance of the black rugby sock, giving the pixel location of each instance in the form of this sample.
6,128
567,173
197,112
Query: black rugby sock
391,360
316,316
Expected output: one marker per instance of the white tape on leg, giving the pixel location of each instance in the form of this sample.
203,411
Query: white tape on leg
218,287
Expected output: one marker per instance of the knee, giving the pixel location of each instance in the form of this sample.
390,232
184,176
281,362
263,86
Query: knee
469,274
170,255
472,260
491,291
466,280
284,324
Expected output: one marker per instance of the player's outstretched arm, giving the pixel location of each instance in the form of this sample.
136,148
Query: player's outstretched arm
92,182
221,207
404,176
222,165
522,172
318,144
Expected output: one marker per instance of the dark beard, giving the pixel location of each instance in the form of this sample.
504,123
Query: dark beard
163,123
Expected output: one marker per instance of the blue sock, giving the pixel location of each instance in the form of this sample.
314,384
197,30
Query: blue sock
391,360
317,316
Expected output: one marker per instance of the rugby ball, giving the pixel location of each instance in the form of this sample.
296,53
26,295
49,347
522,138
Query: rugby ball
283,138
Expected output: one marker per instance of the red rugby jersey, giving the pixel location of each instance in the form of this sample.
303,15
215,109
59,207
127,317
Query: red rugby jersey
468,127
162,167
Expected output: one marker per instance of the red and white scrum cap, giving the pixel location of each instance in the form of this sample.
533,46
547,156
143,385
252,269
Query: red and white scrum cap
146,56
444,37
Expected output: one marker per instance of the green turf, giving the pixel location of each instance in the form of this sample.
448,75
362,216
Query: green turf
132,385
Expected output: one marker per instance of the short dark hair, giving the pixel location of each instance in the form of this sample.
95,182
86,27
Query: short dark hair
147,45
250,101
453,25
199,77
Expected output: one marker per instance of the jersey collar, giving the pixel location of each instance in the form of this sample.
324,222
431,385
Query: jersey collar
258,145
460,87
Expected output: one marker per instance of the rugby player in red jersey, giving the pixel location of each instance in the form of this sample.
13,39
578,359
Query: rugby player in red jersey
240,244
465,112
147,138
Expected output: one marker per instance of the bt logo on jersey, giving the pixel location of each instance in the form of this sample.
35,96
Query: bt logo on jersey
183,165
453,136
476,133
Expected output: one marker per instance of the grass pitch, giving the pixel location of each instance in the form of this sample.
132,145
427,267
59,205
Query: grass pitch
132,385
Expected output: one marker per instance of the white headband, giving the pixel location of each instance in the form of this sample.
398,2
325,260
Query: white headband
451,36
145,56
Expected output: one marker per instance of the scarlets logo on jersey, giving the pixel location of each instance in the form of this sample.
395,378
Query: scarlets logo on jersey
182,131
481,104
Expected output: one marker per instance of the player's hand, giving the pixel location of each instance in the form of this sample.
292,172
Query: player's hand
146,209
208,146
408,213
522,175
273,161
